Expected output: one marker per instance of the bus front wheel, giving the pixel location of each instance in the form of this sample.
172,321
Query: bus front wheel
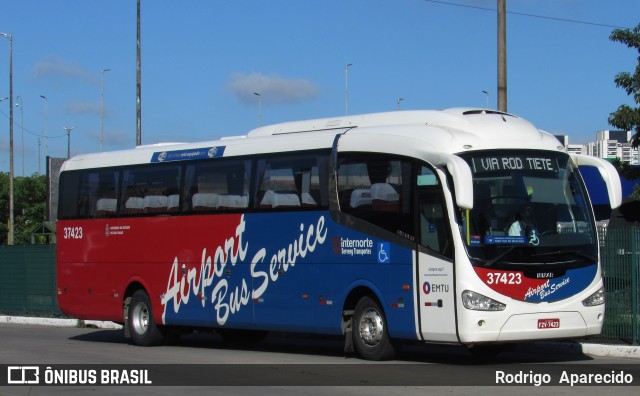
370,331
144,331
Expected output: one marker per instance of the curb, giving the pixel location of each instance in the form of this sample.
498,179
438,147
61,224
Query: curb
59,322
550,347
583,348
623,351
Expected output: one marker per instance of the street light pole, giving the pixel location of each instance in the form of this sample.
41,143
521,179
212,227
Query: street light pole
346,81
487,98
39,155
69,129
46,125
19,104
259,108
138,84
10,237
398,102
102,106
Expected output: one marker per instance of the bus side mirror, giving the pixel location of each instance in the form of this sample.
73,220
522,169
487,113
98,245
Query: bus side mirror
460,173
609,175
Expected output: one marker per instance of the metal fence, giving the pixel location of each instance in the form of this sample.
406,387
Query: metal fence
28,282
620,249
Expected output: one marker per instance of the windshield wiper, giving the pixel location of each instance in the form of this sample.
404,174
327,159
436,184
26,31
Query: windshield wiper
574,253
497,258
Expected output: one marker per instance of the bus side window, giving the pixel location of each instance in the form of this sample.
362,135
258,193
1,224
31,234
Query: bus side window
73,202
101,192
294,182
150,189
377,189
217,185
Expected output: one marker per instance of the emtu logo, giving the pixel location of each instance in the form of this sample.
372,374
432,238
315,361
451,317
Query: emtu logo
428,288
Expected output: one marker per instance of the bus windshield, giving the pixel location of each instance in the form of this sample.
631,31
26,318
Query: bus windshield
530,208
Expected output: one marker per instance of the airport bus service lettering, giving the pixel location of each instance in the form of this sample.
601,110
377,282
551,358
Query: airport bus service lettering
197,282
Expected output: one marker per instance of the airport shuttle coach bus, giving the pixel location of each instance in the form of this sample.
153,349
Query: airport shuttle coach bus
461,226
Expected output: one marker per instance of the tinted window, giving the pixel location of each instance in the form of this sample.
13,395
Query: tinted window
377,189
220,185
292,182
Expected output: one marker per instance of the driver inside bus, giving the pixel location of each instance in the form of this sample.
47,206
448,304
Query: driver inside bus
518,226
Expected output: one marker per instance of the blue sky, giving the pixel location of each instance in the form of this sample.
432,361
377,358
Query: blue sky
202,60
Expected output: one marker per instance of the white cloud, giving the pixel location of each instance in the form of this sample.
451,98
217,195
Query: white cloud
272,89
82,108
57,67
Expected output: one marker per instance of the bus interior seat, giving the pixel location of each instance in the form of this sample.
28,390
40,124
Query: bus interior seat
134,205
232,201
272,199
384,198
210,187
173,203
155,203
360,197
308,201
106,207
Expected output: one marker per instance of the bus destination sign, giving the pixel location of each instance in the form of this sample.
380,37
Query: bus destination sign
513,162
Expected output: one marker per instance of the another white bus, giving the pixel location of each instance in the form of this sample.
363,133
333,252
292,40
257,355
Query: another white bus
463,226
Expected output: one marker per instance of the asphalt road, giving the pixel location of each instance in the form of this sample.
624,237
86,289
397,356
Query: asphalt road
286,364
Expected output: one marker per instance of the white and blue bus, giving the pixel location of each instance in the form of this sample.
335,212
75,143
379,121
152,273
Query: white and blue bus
461,226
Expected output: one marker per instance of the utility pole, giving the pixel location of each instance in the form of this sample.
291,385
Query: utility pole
10,236
502,55
138,87
69,129
102,108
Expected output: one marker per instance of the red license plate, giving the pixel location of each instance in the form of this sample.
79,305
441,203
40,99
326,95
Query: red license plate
549,323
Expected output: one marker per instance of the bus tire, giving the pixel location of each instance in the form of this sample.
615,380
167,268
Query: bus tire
370,331
144,331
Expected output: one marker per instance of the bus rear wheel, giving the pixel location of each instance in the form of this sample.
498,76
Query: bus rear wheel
370,331
144,331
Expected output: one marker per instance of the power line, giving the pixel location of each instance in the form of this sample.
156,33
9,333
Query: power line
15,123
529,15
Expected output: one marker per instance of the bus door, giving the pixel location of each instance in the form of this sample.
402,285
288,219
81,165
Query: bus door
434,262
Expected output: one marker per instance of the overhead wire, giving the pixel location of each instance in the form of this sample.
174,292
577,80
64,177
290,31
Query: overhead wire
16,125
528,15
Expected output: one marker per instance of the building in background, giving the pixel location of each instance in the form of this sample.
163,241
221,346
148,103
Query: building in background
608,145
615,144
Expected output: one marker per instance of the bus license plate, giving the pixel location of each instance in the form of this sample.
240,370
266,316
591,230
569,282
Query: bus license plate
549,323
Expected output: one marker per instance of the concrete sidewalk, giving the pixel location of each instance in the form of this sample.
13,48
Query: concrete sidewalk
551,347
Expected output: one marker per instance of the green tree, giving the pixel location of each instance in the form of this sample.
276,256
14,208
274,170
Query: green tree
627,117
29,206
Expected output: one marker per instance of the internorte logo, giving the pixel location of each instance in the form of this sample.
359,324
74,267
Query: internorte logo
352,247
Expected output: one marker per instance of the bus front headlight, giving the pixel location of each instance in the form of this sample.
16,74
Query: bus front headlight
478,302
596,298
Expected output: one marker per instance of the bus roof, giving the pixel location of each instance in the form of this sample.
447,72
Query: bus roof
408,133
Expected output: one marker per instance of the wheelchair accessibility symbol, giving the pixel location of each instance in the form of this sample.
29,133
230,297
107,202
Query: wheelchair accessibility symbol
384,252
